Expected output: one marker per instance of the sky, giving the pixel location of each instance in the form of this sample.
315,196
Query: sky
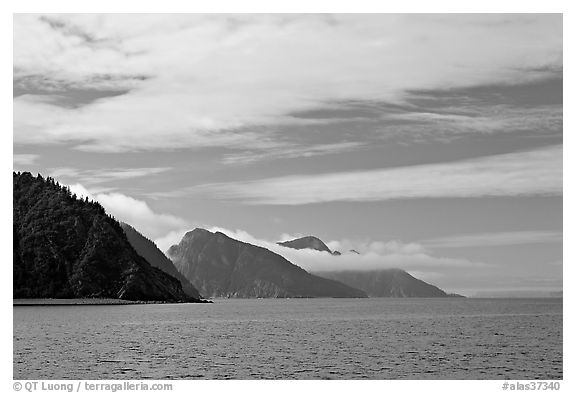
431,143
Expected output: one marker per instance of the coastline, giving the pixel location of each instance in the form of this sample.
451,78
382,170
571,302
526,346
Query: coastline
92,302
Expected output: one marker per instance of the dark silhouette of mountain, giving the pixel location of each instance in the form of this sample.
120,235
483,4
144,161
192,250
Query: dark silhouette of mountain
387,283
220,266
354,252
147,248
308,242
65,247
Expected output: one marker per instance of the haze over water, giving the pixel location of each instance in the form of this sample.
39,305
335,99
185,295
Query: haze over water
293,339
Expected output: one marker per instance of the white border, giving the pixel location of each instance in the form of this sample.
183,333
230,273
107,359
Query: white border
310,6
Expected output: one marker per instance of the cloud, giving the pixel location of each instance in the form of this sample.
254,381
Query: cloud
536,172
495,239
196,80
24,159
97,176
485,119
374,255
134,212
291,152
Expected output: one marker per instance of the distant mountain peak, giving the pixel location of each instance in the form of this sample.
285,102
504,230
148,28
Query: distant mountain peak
197,232
190,236
306,242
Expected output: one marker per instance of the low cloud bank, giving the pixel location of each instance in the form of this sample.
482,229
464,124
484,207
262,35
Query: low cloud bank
374,255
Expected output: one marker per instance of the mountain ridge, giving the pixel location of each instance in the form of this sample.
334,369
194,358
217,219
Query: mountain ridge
220,266
308,242
147,249
392,282
68,247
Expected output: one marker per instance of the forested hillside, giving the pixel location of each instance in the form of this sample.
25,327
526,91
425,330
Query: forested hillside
68,247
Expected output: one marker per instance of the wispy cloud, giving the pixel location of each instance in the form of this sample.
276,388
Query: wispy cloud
196,80
294,152
536,172
466,119
98,176
25,159
495,239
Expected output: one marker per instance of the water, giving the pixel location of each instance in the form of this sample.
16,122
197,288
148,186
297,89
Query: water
293,339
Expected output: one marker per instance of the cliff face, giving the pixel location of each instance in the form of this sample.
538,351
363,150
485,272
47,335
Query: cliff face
220,266
387,283
66,247
149,251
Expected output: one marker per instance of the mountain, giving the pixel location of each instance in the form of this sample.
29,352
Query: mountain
220,266
308,242
65,247
386,283
519,294
147,248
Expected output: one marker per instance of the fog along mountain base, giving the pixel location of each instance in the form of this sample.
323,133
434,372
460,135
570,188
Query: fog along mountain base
375,283
66,247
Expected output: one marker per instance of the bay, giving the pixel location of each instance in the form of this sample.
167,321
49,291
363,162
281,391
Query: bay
377,338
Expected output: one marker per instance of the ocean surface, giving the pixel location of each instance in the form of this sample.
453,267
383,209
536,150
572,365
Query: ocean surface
293,339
